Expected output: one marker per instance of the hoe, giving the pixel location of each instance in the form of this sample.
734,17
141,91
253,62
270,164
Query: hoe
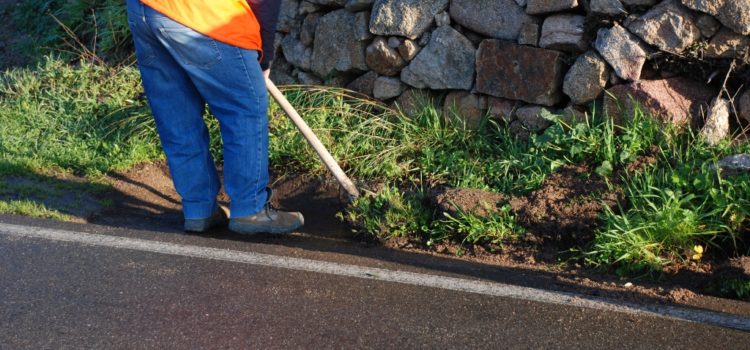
311,138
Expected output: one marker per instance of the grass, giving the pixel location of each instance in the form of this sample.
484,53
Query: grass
738,288
493,228
59,117
58,120
360,134
391,212
428,145
31,208
678,203
356,131
406,150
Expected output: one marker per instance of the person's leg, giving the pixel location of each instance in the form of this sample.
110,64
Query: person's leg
178,109
230,79
242,110
236,93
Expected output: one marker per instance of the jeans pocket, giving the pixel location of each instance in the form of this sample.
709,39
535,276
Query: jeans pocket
194,48
143,50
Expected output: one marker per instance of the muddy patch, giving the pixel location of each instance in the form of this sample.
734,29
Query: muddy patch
565,209
319,198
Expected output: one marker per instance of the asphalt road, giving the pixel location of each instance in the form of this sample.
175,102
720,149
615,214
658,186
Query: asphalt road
98,287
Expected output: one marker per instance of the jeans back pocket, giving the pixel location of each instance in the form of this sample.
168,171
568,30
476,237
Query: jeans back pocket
193,48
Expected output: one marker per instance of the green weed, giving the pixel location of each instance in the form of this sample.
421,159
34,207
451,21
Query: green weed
731,288
372,141
652,234
678,203
363,135
493,228
391,213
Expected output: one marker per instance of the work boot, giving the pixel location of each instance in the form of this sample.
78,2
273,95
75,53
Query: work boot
268,220
219,218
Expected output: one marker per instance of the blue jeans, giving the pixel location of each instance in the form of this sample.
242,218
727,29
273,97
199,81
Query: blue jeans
182,71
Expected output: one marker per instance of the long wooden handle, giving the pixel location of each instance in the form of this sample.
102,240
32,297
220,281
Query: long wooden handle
311,138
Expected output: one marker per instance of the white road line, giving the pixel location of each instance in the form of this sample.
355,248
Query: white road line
417,279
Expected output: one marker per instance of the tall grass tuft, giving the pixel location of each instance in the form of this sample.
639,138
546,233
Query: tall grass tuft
375,142
362,134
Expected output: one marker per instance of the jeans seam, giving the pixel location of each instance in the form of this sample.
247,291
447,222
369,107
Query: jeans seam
255,120
209,167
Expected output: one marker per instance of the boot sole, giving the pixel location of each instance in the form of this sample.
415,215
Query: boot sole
257,228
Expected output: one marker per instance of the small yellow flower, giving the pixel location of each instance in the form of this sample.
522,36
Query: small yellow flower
698,250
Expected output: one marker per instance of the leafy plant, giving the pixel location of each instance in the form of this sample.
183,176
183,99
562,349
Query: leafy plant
731,287
493,228
653,233
390,213
681,202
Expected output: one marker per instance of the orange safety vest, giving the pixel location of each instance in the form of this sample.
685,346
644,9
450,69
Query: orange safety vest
228,21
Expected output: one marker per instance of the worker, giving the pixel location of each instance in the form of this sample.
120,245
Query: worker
193,53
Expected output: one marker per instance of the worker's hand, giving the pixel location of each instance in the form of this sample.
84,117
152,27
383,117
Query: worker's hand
267,73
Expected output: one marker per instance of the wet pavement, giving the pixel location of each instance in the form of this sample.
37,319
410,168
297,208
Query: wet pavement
56,294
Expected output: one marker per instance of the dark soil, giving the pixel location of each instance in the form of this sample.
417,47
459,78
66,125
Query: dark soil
565,210
563,213
734,268
467,200
144,198
9,37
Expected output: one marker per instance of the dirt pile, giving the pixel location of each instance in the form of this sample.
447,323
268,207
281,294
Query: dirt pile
566,208
467,200
738,267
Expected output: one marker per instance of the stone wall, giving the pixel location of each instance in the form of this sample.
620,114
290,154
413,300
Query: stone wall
516,58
